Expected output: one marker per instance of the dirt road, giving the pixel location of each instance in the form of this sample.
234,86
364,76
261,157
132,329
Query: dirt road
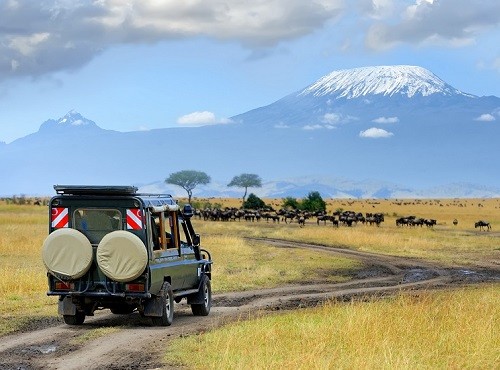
131,342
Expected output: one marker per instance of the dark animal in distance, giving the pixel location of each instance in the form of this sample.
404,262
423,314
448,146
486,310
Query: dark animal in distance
482,224
302,221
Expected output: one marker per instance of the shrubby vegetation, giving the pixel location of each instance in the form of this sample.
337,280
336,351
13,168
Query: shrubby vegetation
312,203
253,202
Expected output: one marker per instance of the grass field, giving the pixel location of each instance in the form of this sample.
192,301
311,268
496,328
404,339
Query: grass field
327,337
430,330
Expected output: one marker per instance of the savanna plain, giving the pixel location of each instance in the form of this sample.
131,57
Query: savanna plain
454,326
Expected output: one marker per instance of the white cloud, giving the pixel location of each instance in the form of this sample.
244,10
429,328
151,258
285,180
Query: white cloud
332,118
58,35
386,120
313,127
453,23
281,125
54,35
336,118
201,119
375,133
26,45
377,9
485,118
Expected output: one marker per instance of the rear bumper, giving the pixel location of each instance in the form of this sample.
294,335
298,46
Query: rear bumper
99,294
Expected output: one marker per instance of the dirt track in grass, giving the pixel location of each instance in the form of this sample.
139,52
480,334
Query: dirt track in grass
131,342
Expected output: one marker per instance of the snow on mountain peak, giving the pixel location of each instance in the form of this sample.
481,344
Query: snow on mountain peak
386,80
74,118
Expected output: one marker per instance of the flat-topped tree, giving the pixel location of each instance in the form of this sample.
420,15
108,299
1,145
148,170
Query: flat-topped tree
246,180
188,180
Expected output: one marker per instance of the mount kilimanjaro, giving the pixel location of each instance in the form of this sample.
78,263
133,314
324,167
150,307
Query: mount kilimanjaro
388,131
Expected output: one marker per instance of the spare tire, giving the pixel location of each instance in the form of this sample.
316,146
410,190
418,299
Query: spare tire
122,256
67,253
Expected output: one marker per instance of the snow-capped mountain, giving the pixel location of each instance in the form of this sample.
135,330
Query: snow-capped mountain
71,119
366,94
375,126
384,80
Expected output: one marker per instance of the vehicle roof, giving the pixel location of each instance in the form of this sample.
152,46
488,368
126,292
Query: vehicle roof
154,201
95,190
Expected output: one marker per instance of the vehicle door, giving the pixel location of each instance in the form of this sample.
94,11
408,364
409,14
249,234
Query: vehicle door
191,263
166,259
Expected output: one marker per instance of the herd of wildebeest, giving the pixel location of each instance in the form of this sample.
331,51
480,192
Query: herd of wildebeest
337,218
268,214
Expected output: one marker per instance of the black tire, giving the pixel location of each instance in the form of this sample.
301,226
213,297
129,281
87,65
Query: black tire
167,299
76,319
204,295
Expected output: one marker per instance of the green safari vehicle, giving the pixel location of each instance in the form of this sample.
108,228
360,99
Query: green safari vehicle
110,247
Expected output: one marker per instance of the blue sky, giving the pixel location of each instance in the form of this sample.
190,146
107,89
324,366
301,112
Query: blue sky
144,64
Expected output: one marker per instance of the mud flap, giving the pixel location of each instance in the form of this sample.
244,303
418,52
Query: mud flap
66,307
154,307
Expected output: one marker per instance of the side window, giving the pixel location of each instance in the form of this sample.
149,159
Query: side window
155,231
161,228
167,223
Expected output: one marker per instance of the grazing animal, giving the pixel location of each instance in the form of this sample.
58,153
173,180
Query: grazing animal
430,222
455,222
482,224
323,218
376,219
302,221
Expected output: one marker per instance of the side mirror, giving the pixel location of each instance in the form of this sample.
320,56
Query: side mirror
196,239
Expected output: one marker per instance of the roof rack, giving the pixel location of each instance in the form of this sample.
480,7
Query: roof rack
95,190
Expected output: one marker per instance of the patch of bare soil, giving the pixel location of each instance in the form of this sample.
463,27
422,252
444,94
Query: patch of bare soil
136,344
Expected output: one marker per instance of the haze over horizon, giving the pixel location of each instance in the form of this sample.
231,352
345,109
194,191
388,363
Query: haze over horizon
140,65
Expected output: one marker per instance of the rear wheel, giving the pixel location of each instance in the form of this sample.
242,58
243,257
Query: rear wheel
204,296
76,319
167,299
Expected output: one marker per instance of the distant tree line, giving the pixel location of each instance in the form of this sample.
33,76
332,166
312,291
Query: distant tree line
190,179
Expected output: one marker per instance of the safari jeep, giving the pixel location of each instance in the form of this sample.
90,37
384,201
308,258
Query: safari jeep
110,247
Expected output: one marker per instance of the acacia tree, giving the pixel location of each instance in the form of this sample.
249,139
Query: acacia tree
246,180
188,180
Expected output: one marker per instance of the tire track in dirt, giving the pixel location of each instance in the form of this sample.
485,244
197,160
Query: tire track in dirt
134,344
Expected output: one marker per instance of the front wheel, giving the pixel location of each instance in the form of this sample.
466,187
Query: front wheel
76,319
204,297
167,299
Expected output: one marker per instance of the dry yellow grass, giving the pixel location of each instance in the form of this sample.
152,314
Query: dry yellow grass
242,265
445,245
23,281
451,330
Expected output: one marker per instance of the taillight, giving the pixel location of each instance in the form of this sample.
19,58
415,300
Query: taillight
61,285
134,287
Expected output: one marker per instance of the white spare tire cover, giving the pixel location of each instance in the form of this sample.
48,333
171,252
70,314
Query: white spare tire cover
67,253
121,256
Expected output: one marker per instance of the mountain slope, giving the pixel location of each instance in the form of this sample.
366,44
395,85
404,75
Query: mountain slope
365,94
399,125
